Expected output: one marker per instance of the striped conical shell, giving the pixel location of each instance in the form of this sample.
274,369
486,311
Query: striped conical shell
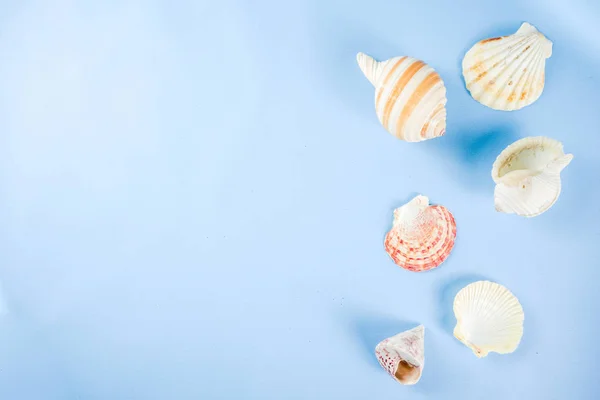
489,318
410,97
507,73
422,236
527,176
403,355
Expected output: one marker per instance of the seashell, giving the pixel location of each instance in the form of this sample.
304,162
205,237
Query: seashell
507,73
488,318
403,355
422,236
410,97
527,176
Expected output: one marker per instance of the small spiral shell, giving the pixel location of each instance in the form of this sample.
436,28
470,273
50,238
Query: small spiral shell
403,355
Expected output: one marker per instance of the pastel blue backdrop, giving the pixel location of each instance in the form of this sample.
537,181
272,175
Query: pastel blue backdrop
194,196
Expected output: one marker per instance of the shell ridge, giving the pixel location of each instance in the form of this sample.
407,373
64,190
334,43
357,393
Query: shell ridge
507,53
481,89
509,44
513,92
528,29
504,309
535,68
502,62
522,80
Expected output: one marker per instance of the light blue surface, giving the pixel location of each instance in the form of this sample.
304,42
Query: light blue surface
194,195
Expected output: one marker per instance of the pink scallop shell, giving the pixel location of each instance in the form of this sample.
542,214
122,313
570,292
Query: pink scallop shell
422,236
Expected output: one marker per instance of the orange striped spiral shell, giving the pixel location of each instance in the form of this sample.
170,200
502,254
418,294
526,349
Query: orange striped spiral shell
410,97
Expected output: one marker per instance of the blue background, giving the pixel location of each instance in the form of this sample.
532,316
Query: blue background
194,196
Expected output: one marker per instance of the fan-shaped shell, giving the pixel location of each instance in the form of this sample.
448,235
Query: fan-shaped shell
403,355
488,318
527,176
422,236
410,97
507,73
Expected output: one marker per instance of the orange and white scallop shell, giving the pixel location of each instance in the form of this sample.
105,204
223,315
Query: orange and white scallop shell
403,355
508,72
410,97
422,236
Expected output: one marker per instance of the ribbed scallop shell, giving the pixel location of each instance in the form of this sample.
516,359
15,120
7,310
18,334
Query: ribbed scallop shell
403,355
410,97
507,73
527,176
422,236
489,318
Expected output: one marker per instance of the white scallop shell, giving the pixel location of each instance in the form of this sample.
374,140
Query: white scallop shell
410,97
527,176
403,355
507,73
489,318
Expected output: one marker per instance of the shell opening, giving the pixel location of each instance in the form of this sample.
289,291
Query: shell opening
440,129
406,373
527,176
527,28
534,154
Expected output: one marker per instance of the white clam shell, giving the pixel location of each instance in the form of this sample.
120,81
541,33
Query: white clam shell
410,97
527,176
403,355
489,318
507,73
